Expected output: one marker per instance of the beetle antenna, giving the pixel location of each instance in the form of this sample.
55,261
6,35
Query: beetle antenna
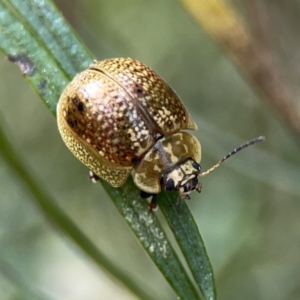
243,146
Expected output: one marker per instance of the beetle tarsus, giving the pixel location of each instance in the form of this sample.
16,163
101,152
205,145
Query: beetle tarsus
93,177
199,187
153,203
151,198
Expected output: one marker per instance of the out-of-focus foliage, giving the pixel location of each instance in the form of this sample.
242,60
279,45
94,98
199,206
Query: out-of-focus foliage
248,211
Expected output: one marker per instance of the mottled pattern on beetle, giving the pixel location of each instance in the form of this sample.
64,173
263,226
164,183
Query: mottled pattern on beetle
115,175
154,95
104,115
162,157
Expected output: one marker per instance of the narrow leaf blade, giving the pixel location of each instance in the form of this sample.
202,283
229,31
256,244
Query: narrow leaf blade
190,241
48,26
151,235
38,67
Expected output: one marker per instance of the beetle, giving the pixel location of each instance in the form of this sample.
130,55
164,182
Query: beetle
119,117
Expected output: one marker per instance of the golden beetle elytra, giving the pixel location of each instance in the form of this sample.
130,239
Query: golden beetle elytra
119,116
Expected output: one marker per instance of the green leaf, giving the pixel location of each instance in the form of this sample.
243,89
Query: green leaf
40,69
48,206
47,25
35,36
11,274
190,241
151,235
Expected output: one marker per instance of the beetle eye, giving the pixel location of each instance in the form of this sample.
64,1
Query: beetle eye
170,185
196,166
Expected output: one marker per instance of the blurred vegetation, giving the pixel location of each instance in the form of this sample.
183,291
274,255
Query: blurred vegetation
248,212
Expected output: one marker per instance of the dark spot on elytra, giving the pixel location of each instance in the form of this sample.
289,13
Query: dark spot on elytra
80,106
71,122
24,62
139,90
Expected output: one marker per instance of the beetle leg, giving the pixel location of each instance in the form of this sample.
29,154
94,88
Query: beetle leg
182,196
145,195
151,198
153,203
199,187
93,177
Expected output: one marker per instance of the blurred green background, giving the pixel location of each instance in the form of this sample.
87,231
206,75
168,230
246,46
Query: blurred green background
248,212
